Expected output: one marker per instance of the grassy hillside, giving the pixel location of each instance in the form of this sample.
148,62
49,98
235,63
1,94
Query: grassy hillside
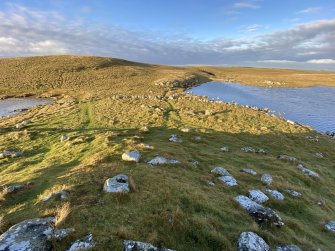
170,205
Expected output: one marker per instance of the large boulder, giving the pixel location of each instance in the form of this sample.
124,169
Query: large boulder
162,161
84,243
141,246
250,241
33,234
133,156
259,212
117,184
258,196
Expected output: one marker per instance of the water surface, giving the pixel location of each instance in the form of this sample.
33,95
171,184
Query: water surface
14,106
313,106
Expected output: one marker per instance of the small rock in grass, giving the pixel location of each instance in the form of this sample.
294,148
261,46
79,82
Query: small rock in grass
319,155
248,171
307,171
287,158
224,149
258,196
208,113
193,162
275,194
220,171
289,247
162,161
250,241
330,226
185,129
293,193
63,138
117,184
210,183
13,188
84,243
144,129
248,149
266,179
197,138
141,246
175,139
228,180
133,156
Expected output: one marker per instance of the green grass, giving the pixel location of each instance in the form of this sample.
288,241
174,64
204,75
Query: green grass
169,205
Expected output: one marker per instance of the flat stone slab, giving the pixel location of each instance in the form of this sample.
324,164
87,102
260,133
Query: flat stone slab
84,243
248,171
141,246
117,184
258,196
162,161
133,156
250,241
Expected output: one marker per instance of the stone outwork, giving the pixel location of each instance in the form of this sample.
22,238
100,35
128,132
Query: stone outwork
258,196
307,171
84,243
117,184
141,246
250,241
159,160
132,156
259,212
266,179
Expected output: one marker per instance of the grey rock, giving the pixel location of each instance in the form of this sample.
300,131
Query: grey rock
63,138
319,155
220,171
33,234
225,149
259,212
84,243
330,226
258,196
133,156
60,234
62,195
275,194
287,158
288,247
117,184
13,188
228,180
293,193
248,149
210,183
11,154
307,171
193,162
250,241
266,179
248,171
175,139
162,161
141,246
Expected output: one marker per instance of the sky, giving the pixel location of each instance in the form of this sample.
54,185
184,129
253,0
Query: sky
260,33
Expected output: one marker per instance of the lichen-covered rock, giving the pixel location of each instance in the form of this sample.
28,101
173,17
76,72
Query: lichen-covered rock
33,234
258,196
228,180
330,226
162,161
174,138
289,247
133,156
266,179
117,184
141,246
287,158
84,243
293,193
307,171
259,212
248,171
220,171
250,241
275,194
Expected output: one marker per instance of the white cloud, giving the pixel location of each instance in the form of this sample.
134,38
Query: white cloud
277,61
321,61
311,10
245,5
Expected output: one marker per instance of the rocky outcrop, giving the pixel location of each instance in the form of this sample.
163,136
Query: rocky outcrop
259,212
141,246
250,241
266,179
117,184
84,243
132,156
162,161
307,171
258,196
275,194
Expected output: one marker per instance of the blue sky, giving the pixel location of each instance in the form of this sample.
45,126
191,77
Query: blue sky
292,34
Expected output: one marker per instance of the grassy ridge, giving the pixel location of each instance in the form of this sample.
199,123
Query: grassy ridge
169,205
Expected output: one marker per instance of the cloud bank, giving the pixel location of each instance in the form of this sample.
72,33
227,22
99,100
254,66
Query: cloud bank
25,32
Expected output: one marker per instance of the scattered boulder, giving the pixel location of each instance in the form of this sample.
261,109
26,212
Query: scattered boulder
259,212
258,196
307,171
220,171
162,161
175,139
289,247
63,137
293,193
266,179
248,171
84,243
117,184
33,234
330,226
287,158
13,188
133,156
141,246
250,241
210,183
228,180
11,154
275,194
320,155
248,149
224,149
